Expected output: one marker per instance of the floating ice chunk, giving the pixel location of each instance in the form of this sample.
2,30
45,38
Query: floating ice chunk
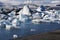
5,22
49,17
2,25
36,16
25,11
49,12
42,15
52,15
46,17
39,9
15,36
12,13
24,19
10,18
14,22
5,17
2,16
20,12
36,21
8,27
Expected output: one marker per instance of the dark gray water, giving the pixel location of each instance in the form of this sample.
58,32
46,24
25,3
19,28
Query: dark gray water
25,30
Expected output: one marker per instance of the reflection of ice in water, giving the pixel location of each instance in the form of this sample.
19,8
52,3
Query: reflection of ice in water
33,30
8,27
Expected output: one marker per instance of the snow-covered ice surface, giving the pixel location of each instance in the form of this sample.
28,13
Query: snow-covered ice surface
26,23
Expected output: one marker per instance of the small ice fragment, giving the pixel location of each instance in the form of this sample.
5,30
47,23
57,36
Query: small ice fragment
15,36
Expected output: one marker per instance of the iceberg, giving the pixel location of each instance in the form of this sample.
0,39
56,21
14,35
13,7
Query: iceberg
5,24
2,16
24,14
25,11
38,9
36,21
14,22
36,16
51,15
46,16
2,25
12,13
10,19
22,18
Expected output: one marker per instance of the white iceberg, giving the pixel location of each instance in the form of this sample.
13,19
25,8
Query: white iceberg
14,22
10,19
8,27
24,13
2,16
51,15
5,24
12,13
36,21
39,9
36,16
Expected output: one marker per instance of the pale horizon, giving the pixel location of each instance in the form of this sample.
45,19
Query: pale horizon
17,2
